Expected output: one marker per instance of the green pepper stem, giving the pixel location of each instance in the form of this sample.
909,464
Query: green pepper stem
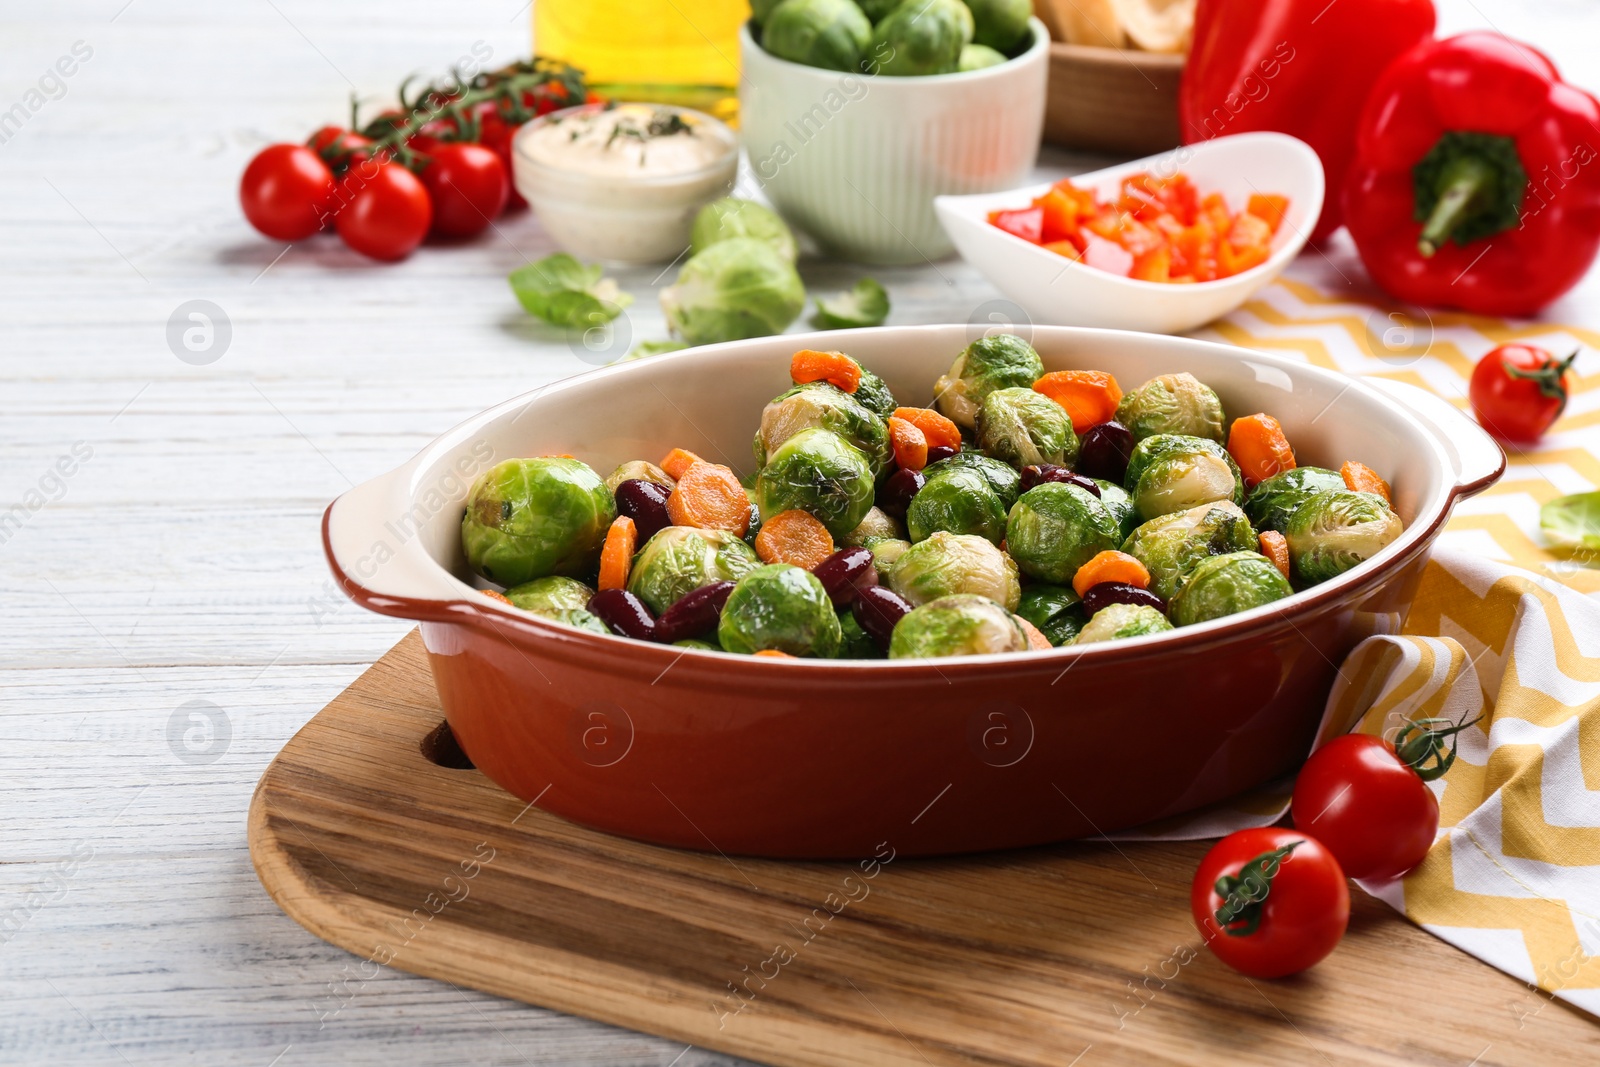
1466,180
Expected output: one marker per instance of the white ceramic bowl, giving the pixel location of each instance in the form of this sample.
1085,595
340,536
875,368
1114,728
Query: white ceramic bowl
855,160
1058,291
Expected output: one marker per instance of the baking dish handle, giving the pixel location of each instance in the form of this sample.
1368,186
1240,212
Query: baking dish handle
374,549
1478,460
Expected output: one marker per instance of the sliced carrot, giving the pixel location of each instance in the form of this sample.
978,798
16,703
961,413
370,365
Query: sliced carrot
910,444
795,537
493,595
1110,566
558,455
1037,642
1258,446
1361,478
939,431
677,461
1090,396
708,495
1269,208
772,653
616,555
1275,547
835,368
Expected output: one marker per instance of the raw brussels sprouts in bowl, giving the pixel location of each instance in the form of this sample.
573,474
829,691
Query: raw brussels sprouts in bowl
1119,621
1271,502
1173,545
1002,361
999,25
781,607
1334,530
925,37
956,626
817,471
831,34
1174,472
819,404
1227,584
958,500
1056,610
1173,403
1025,428
681,559
946,564
527,518
1054,529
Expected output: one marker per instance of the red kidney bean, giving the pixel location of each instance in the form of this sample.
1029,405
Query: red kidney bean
625,613
1104,450
645,503
694,613
896,493
877,608
1049,472
844,573
1107,593
938,452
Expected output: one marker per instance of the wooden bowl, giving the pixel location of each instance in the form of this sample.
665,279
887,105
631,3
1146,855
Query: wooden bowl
1112,100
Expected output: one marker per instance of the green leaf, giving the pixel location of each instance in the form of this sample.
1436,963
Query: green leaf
564,292
1573,521
655,348
865,305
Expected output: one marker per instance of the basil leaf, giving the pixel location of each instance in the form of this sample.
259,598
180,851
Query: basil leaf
564,292
1573,521
865,305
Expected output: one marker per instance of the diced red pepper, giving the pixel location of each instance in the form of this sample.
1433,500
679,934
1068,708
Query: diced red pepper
1026,223
1269,207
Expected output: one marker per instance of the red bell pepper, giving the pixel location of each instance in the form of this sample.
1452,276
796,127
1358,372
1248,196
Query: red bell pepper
1301,67
1026,223
1473,185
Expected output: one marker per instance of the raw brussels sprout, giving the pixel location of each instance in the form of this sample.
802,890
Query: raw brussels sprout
885,554
1270,503
1000,24
1122,620
831,34
578,617
1003,361
552,593
956,626
780,606
1001,476
878,525
1054,529
831,408
924,37
1025,428
874,395
854,642
638,470
1173,545
1056,610
527,518
959,501
736,288
947,563
1174,472
818,471
1119,503
1335,530
731,217
1172,403
877,10
979,56
680,559
1223,585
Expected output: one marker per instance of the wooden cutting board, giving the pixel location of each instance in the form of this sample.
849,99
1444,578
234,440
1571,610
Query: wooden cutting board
1073,954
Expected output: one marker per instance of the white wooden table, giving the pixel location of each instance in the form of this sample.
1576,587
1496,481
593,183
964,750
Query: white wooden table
168,618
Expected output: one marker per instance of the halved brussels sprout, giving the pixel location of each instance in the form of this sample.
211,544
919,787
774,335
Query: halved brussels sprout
1003,361
1173,545
1055,528
578,617
921,38
732,217
947,563
831,34
1223,585
956,626
874,395
1001,476
854,642
638,470
818,471
1172,403
1119,503
527,518
1056,610
1174,472
780,606
886,553
878,525
818,404
1000,24
1025,428
1270,503
1117,621
1335,530
960,501
550,593
680,559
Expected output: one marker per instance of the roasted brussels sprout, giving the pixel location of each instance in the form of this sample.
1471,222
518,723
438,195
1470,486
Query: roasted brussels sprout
780,606
1270,503
958,501
877,526
695,642
527,518
681,559
1173,545
1119,503
1025,428
1055,528
1335,530
1172,403
874,395
1223,585
552,593
978,56
886,553
831,34
925,37
578,617
854,642
831,408
1001,476
638,470
956,626
1122,620
736,288
731,217
1056,610
1003,361
1174,472
947,563
1000,24
818,471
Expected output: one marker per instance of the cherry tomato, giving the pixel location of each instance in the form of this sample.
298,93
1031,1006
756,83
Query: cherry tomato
1372,811
468,186
384,212
330,137
495,134
1287,910
1518,391
285,191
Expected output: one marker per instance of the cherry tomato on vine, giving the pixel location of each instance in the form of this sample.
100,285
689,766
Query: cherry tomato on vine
285,191
1518,391
336,139
1270,902
468,186
384,210
495,134
1368,808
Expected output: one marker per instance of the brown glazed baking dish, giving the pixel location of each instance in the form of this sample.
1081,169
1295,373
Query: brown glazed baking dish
828,758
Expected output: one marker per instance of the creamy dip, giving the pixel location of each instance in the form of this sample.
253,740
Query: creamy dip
629,140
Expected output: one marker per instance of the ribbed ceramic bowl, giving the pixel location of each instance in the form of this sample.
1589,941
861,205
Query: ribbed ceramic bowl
856,160
708,750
